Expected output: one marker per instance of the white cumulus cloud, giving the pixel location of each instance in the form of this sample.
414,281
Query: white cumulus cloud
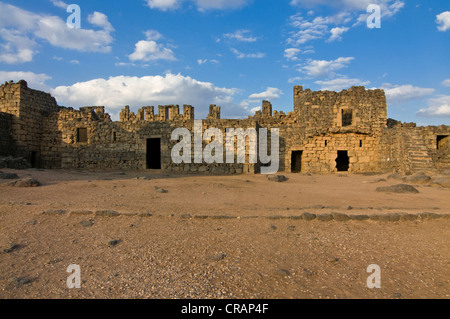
101,20
241,35
34,80
115,92
151,51
269,94
241,55
21,29
324,68
341,84
443,21
437,107
202,5
291,54
402,93
336,33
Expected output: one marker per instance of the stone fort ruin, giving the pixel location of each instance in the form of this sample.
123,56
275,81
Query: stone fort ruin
326,132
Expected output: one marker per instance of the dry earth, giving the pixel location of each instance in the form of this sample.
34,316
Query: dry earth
220,237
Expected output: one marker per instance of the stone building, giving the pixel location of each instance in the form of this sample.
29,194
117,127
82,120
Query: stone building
326,132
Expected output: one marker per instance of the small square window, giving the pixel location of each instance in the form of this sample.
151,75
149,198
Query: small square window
82,135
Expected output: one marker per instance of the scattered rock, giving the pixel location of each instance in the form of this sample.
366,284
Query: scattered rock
145,215
379,180
217,257
31,222
26,182
291,227
112,242
7,247
20,281
86,223
283,272
273,227
81,212
160,190
55,212
276,178
107,213
349,207
308,272
144,178
399,188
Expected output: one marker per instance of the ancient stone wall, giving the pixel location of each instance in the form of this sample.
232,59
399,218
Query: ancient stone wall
28,108
326,132
411,149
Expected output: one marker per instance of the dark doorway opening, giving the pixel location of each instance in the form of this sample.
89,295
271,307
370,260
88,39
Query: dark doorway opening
34,159
342,161
442,142
347,117
296,161
154,153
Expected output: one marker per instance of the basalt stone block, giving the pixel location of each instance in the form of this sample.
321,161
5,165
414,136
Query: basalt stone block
340,217
107,213
324,217
399,188
308,216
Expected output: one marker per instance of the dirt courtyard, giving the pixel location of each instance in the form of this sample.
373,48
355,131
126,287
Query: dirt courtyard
153,235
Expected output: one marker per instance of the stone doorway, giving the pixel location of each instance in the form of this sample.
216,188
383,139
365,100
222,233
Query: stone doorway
153,153
296,161
342,161
34,159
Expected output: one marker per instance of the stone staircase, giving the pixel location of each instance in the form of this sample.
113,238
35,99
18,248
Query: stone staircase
418,154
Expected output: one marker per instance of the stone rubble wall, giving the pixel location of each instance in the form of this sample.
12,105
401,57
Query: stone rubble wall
28,108
37,124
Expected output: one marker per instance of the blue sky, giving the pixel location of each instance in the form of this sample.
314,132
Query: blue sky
233,53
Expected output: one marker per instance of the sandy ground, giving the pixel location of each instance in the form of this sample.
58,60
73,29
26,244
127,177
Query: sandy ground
219,237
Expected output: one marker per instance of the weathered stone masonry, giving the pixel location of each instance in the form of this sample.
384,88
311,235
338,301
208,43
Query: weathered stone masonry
326,132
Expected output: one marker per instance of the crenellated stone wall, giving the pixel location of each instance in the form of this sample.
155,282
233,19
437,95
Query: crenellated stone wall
326,132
